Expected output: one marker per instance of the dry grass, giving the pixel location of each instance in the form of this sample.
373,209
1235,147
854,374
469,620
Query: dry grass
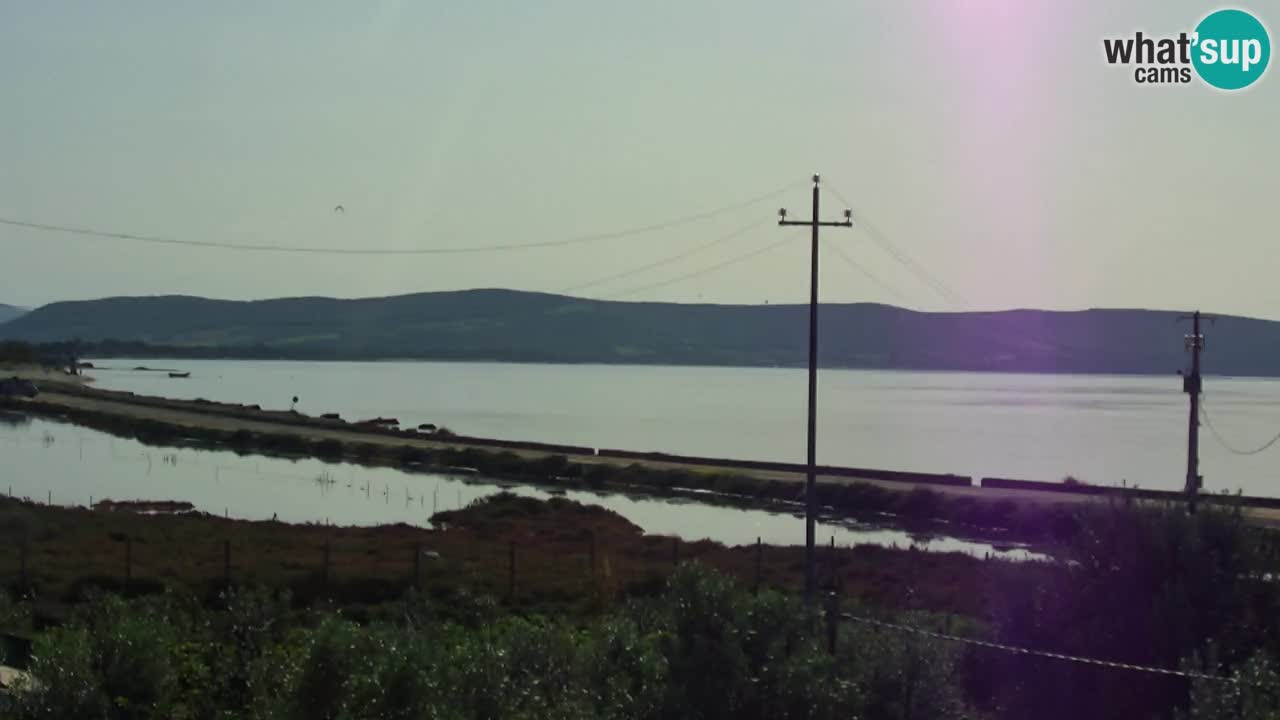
70,550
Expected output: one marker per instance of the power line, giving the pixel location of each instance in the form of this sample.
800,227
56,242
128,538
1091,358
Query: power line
868,274
1204,413
697,273
681,220
901,255
1038,653
665,261
815,223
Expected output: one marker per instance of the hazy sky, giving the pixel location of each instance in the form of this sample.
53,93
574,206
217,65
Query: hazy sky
988,140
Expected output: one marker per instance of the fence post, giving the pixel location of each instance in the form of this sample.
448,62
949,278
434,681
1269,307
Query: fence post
50,497
675,552
831,562
324,570
22,567
417,566
128,562
833,620
511,579
591,557
759,557
226,562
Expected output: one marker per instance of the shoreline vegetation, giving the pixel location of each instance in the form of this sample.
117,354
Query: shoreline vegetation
917,508
565,555
515,607
1001,511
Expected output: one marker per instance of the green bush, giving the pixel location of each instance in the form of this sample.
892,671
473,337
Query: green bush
17,353
1137,583
410,455
124,664
69,684
329,449
1253,693
704,648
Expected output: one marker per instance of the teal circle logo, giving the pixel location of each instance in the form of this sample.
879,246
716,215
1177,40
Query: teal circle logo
1232,49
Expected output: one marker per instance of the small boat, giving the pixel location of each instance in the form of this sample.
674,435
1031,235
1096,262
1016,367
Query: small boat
179,375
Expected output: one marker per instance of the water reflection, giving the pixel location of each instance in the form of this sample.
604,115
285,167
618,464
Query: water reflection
78,466
10,419
1101,429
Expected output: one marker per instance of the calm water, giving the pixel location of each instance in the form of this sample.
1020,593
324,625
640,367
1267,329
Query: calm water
1101,429
75,465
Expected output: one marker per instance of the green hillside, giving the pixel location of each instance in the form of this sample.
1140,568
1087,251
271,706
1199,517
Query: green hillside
533,327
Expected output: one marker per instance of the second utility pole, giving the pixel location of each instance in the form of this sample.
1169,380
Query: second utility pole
811,472
1192,384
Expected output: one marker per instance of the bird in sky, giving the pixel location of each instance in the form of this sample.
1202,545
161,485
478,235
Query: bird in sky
339,209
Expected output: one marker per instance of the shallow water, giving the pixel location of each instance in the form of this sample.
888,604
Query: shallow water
1099,429
72,465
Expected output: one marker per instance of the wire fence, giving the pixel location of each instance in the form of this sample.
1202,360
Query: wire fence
336,562
405,565
1096,662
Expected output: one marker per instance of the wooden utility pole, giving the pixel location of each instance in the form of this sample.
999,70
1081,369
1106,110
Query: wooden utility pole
1191,384
810,491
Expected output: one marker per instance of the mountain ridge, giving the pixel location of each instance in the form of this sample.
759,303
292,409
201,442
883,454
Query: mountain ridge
518,326
10,312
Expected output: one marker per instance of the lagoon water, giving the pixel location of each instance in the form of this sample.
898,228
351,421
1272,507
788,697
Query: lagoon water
66,464
1099,429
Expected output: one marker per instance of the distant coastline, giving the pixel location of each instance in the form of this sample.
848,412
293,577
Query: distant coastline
163,353
507,326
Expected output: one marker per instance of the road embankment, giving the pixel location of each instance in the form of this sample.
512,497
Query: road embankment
1017,509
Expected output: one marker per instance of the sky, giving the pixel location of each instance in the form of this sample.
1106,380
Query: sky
988,144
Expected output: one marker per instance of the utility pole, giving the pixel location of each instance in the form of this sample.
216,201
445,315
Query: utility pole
811,474
1191,384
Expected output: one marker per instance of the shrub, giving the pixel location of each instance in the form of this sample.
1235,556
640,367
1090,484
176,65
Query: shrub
410,455
1141,583
241,438
329,448
551,466
17,353
69,686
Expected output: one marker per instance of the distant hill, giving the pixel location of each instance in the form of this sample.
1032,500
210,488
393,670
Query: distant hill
507,325
9,312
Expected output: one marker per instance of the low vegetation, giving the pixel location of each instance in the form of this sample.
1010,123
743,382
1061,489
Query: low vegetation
15,354
703,648
569,558
1144,585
